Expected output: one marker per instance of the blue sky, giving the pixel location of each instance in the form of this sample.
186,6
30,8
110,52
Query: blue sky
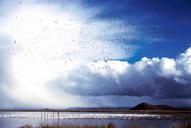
164,26
95,53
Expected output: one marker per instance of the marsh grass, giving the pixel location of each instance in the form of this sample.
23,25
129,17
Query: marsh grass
110,125
182,125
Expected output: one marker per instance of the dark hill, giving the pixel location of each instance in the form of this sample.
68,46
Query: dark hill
145,106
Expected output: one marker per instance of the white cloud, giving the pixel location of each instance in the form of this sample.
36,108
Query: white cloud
157,78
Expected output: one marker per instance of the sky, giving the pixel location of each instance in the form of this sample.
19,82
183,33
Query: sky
94,53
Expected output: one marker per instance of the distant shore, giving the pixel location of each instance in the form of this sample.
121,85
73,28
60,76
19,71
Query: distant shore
140,108
102,111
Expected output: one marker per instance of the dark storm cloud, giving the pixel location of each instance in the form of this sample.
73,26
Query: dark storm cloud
163,78
169,88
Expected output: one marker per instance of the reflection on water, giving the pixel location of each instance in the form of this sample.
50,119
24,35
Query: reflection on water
17,119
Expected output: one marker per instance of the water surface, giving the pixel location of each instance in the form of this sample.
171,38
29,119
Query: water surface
17,119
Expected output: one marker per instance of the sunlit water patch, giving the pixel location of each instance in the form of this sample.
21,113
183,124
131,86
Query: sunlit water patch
17,119
69,115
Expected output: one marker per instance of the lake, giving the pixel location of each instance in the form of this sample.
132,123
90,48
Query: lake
18,119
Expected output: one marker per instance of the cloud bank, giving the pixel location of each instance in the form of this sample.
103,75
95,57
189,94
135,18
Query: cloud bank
157,77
